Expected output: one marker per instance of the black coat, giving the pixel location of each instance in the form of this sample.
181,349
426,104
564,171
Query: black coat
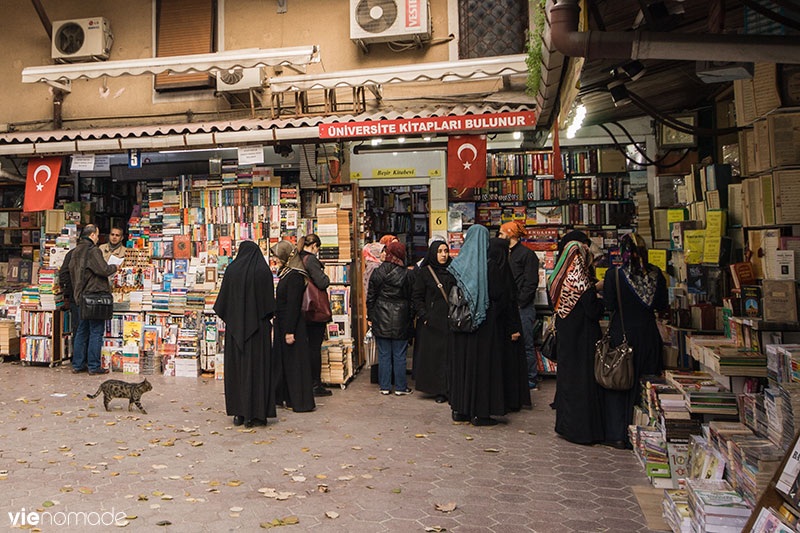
430,351
525,268
389,301
64,277
88,271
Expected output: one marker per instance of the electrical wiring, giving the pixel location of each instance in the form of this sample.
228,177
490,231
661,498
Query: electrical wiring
676,124
650,162
777,17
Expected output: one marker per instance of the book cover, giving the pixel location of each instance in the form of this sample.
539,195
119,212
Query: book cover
780,300
182,246
751,296
225,246
743,274
784,267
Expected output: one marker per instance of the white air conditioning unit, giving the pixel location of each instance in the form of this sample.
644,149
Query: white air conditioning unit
376,21
238,79
81,40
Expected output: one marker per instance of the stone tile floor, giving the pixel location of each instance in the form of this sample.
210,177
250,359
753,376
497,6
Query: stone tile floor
385,462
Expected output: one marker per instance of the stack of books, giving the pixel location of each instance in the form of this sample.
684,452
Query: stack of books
328,231
753,462
643,215
9,338
676,510
715,506
50,295
30,297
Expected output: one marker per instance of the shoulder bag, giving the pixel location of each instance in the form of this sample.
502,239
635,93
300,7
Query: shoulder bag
548,347
613,367
316,307
438,283
459,315
96,305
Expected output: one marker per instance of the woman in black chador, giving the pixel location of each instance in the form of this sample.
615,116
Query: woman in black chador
432,330
502,290
577,315
643,291
476,370
291,341
246,304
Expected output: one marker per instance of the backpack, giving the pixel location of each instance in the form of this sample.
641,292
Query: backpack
459,316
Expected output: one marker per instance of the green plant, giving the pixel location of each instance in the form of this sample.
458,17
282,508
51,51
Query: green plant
533,46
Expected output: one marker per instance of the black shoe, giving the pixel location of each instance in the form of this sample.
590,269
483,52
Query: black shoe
481,421
618,444
458,417
441,398
238,420
79,370
322,391
250,423
99,372
259,422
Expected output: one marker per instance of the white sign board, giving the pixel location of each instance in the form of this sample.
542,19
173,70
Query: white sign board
251,155
82,162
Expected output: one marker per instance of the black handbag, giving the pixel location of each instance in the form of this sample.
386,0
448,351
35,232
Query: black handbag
459,316
549,344
97,305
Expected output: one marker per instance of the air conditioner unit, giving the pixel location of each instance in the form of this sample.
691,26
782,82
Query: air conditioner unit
81,40
376,21
239,79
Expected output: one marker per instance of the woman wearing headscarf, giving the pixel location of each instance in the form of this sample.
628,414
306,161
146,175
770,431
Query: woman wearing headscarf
309,246
372,253
386,239
432,283
291,340
577,315
246,304
476,364
389,312
643,292
503,291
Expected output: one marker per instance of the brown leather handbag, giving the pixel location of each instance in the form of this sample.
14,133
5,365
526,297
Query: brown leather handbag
316,307
613,367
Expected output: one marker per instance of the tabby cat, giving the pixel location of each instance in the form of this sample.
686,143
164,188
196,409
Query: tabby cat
114,388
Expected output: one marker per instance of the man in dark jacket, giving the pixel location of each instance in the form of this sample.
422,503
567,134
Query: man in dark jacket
389,312
66,287
88,272
525,268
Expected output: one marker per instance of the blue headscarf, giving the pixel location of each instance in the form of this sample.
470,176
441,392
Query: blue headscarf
470,270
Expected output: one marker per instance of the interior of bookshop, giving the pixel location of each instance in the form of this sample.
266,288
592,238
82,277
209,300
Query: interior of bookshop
716,429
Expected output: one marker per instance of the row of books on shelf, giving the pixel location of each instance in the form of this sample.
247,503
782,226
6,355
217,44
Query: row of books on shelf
532,189
585,161
20,219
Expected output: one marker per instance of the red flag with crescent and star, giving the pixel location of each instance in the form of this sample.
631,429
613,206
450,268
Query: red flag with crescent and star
41,184
466,161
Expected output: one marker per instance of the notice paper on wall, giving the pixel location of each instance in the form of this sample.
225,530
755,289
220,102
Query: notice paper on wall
251,155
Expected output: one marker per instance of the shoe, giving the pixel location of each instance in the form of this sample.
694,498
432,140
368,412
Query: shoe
533,386
480,421
618,444
441,398
386,392
99,372
404,392
238,420
322,391
458,417
552,405
79,370
250,423
259,422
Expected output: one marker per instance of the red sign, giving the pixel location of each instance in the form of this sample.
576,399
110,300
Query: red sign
429,125
412,14
466,161
41,184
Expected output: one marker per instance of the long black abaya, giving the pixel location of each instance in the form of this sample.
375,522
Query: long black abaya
246,304
643,337
430,350
476,373
578,411
294,360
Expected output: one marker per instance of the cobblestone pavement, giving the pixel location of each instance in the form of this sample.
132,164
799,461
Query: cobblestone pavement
379,463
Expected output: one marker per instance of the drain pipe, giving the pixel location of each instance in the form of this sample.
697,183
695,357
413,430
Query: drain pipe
662,45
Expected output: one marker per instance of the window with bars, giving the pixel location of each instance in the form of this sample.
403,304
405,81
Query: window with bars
185,27
491,27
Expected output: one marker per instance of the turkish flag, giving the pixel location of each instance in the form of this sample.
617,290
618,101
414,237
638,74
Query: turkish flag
42,182
466,161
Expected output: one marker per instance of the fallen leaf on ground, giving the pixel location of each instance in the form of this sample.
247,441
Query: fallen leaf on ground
421,435
332,514
492,450
236,509
159,467
435,528
397,491
446,507
164,523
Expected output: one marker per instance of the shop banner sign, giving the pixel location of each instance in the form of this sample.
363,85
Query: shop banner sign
102,162
429,125
251,155
82,163
41,183
466,161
